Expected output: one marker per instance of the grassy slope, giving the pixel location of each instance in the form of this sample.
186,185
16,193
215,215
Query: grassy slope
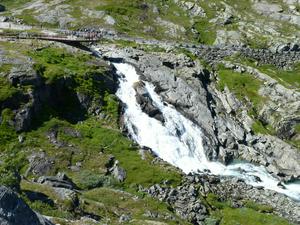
245,88
99,139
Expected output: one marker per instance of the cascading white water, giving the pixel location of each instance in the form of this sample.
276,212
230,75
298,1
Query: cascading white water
178,141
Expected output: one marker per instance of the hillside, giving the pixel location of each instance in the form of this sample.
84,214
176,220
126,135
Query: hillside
167,112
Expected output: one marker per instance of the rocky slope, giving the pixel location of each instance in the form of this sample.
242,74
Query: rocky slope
230,67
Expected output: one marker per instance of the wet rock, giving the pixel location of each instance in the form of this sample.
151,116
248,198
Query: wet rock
14,211
146,103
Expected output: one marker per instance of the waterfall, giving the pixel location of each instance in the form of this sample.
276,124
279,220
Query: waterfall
178,140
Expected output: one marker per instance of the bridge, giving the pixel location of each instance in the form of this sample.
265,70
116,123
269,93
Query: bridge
72,38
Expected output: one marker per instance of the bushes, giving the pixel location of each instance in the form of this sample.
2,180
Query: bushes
6,90
88,180
10,178
9,171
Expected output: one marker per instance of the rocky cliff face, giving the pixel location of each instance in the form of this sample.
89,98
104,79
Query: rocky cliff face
185,84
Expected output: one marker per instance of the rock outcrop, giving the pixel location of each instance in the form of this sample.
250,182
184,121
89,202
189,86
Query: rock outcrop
14,211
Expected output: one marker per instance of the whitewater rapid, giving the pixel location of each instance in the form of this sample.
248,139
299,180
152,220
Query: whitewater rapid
178,141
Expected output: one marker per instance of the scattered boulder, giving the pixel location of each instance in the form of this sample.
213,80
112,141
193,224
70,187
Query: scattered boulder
61,180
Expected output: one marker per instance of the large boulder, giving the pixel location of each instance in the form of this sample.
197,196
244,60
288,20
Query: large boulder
14,211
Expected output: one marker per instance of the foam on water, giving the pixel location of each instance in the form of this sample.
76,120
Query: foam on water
178,141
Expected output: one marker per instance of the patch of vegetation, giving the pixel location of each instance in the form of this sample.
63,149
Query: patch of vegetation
7,133
258,42
10,169
88,180
259,128
9,4
258,207
252,213
289,78
138,171
206,30
246,216
54,206
109,201
54,63
7,91
245,87
242,85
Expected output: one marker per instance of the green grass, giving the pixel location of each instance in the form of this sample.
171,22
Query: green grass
138,171
61,208
246,216
258,207
242,85
251,214
12,4
260,128
97,138
289,78
110,202
6,90
246,87
206,30
7,133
